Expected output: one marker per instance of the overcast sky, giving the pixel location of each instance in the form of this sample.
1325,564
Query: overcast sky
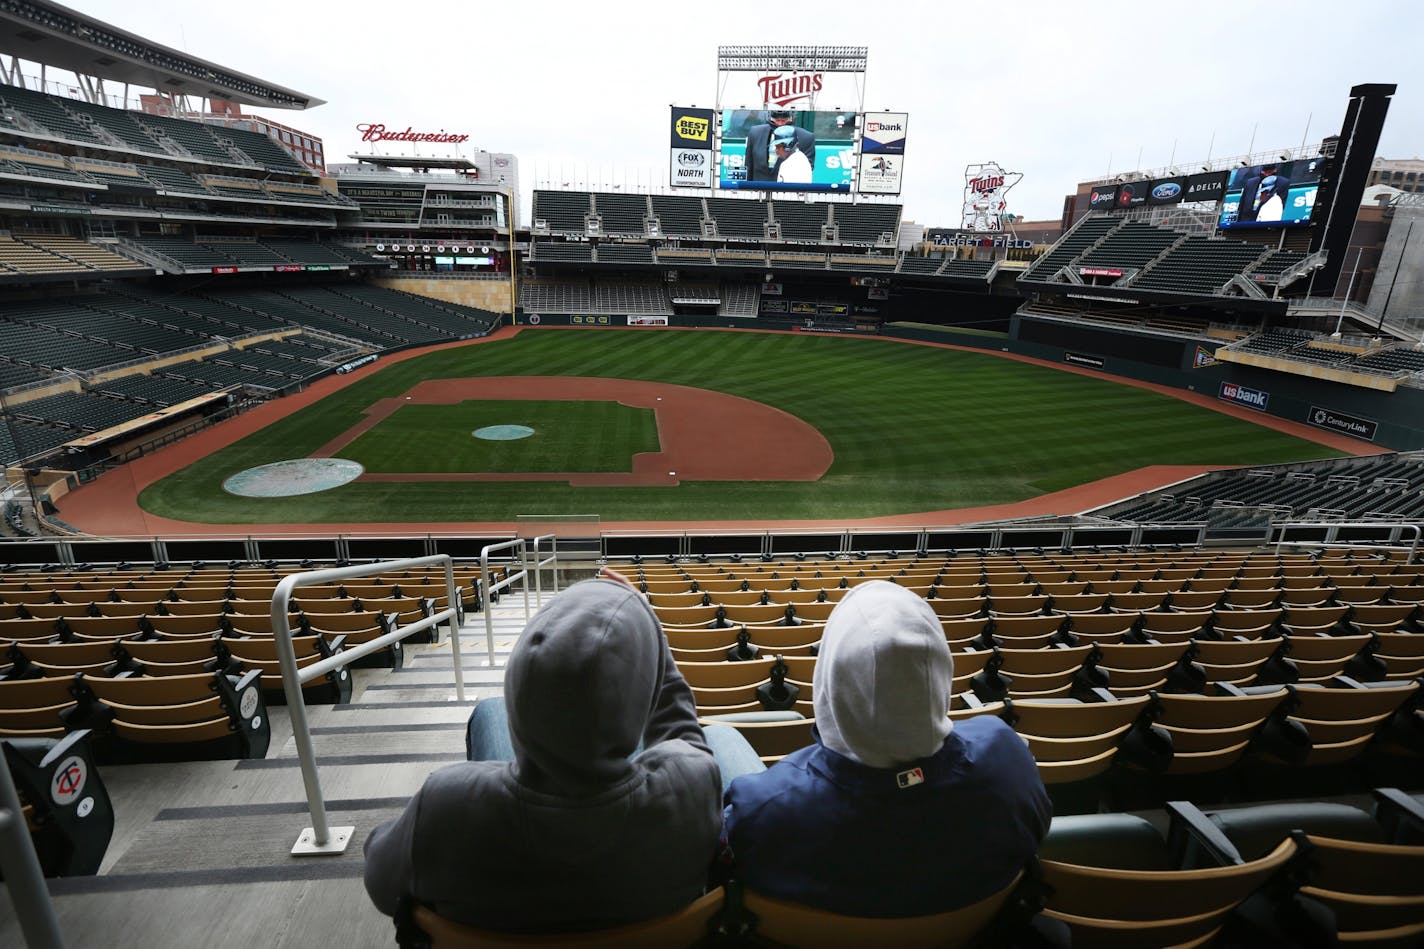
1059,91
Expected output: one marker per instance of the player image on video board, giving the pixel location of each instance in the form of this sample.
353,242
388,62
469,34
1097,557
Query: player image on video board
787,150
1273,194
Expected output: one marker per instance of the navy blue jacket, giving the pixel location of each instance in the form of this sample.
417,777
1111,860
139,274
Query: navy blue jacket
822,830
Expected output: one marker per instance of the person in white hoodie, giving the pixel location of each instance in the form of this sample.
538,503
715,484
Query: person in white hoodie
610,810
894,811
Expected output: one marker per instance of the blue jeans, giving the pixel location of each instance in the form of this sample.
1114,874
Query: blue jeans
735,757
487,739
487,734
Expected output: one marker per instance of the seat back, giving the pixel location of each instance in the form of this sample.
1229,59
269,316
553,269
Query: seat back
1110,907
686,927
793,924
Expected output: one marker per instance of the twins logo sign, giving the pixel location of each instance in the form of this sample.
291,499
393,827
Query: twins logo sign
984,188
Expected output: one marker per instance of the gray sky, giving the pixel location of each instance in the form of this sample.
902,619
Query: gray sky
1061,92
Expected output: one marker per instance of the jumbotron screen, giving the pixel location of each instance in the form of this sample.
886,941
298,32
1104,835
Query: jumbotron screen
787,150
1276,194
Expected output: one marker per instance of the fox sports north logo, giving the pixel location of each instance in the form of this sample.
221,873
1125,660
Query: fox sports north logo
691,160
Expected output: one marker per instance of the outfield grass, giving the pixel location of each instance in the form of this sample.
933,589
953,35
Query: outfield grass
568,436
914,428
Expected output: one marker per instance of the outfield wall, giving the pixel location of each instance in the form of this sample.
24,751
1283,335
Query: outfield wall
1394,419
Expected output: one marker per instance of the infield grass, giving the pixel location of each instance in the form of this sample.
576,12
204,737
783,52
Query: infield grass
914,428
568,436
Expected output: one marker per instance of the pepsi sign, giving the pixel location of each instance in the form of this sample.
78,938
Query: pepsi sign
1103,198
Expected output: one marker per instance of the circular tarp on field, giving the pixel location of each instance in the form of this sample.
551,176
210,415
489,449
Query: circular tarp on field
284,479
503,433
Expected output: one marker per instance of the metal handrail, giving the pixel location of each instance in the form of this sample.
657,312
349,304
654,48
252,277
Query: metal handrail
539,565
28,893
487,589
318,838
1332,534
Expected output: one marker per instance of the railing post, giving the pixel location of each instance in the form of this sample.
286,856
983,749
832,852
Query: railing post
28,893
320,838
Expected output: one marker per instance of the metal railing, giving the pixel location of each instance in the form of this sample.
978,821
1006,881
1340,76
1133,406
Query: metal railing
488,589
1331,538
28,893
538,565
320,838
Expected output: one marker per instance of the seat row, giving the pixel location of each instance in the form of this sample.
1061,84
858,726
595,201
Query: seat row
1313,874
1145,748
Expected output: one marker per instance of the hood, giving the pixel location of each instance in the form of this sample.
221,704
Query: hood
580,686
882,681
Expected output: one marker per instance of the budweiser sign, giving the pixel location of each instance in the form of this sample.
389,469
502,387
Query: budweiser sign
782,90
376,132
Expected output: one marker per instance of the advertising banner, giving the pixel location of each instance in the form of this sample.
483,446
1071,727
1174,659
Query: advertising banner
692,128
1209,186
1241,395
1166,191
1340,422
690,168
786,150
1078,359
1132,194
1102,198
880,174
884,133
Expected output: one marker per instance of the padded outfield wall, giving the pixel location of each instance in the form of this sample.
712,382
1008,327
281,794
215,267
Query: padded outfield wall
1395,418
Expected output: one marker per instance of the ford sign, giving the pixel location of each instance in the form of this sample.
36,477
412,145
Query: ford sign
1166,191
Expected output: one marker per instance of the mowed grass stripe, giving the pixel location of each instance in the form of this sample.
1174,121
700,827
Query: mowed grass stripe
568,436
913,428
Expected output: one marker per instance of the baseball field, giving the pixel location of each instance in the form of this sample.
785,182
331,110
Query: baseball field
687,425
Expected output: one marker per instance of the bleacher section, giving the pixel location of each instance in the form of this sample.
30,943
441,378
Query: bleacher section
1159,259
866,223
621,213
1082,236
678,217
627,297
93,256
800,221
1131,246
625,254
563,211
141,132
1200,265
1384,488
572,251
79,411
744,220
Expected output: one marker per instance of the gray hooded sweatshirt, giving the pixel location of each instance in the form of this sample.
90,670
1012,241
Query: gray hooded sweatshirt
576,832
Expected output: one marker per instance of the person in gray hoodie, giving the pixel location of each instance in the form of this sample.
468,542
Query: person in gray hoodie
895,810
578,832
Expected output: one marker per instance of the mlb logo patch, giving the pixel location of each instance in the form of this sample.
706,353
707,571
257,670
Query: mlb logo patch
908,779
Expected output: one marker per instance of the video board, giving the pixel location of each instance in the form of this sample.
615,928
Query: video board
1275,194
787,150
